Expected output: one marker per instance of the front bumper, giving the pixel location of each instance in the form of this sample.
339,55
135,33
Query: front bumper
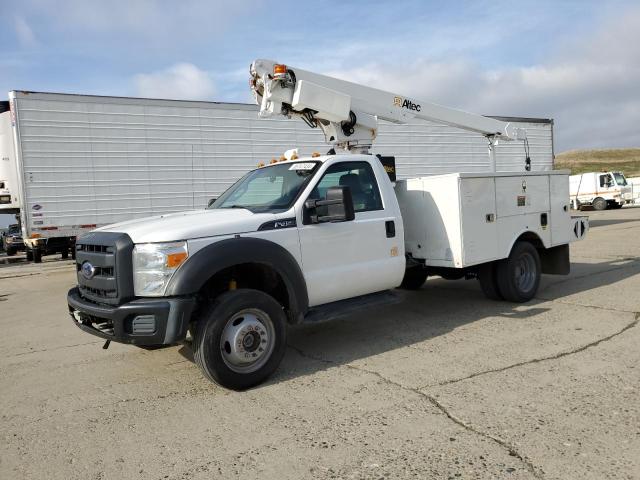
161,321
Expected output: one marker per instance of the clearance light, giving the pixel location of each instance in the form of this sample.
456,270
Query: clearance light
283,158
279,70
273,160
261,164
315,154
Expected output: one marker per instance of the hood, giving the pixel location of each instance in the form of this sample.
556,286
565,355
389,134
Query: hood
189,225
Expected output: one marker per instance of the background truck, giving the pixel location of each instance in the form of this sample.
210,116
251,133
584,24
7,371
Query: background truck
82,162
12,240
315,237
601,190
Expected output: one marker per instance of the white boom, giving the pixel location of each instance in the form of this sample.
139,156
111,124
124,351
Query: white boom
348,113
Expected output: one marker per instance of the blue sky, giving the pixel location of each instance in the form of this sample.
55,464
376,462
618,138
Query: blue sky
575,61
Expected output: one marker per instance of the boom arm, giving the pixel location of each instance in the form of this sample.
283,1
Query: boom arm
348,113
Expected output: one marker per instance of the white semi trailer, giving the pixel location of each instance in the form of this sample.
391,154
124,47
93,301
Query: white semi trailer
315,237
87,161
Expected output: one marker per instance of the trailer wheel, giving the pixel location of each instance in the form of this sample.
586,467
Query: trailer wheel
519,274
37,255
29,255
599,204
414,278
487,277
240,338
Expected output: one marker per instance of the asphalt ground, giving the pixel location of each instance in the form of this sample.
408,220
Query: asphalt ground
445,384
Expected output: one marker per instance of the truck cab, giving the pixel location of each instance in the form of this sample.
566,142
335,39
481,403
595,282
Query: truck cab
290,236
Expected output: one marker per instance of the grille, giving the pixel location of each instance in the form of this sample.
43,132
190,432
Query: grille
110,256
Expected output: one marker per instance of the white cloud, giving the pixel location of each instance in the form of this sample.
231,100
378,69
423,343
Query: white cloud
591,88
25,34
182,81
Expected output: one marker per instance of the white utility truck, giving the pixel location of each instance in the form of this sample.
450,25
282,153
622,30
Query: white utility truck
314,237
73,163
601,190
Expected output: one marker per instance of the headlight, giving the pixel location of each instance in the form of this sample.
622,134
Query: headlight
153,266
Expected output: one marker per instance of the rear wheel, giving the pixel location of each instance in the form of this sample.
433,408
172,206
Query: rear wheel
519,275
65,253
599,204
37,255
29,255
240,339
414,278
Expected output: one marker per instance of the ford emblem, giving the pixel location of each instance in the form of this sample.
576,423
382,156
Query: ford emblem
88,270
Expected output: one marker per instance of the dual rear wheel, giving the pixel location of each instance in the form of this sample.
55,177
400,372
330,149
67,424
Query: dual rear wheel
515,278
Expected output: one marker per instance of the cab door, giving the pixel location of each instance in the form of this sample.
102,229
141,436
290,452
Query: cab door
347,259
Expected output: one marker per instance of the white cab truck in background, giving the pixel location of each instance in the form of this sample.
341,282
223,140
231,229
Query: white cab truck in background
84,161
317,237
601,190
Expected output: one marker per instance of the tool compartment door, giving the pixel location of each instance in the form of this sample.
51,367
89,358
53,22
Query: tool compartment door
478,220
519,195
560,216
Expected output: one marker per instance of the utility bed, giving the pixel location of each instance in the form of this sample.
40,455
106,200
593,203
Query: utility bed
463,219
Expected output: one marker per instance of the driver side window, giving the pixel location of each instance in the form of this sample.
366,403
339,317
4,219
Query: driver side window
360,179
605,181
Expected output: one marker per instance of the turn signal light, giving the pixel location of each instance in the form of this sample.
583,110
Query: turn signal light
175,259
279,70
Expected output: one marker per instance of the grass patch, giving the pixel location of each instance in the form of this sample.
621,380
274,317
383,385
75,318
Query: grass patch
626,160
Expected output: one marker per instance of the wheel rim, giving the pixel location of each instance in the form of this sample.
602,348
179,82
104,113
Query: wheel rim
525,273
247,340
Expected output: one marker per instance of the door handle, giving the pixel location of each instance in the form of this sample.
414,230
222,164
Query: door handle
390,227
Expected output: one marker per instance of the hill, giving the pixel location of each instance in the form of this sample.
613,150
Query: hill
626,160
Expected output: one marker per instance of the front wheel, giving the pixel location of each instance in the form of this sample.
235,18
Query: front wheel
11,251
519,275
240,339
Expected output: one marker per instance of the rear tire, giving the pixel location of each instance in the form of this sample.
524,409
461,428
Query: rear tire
37,255
29,255
65,253
414,278
599,204
240,338
519,275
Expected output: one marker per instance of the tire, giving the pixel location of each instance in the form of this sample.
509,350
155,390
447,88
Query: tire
11,251
488,281
414,278
29,255
599,204
37,255
519,275
259,322
65,253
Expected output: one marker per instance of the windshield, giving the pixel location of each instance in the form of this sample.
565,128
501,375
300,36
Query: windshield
14,230
268,189
620,180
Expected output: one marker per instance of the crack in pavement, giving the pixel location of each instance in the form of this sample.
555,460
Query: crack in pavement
61,347
511,449
542,359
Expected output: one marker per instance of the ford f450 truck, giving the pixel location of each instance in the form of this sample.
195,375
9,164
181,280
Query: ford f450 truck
308,237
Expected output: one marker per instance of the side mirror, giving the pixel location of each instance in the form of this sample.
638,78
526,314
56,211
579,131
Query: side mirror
211,202
339,205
